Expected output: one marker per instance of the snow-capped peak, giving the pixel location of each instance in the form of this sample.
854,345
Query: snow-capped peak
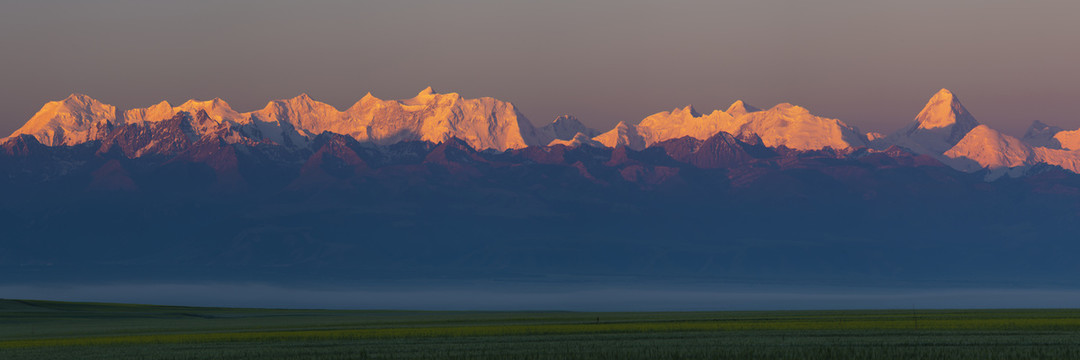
687,110
302,98
304,101
75,119
483,123
623,134
796,128
564,127
937,128
423,97
217,109
784,124
678,123
740,108
78,99
301,113
1053,137
154,113
984,147
943,110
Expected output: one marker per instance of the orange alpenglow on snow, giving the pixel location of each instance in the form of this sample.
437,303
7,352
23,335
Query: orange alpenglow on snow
943,129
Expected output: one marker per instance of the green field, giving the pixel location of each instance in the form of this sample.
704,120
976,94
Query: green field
61,330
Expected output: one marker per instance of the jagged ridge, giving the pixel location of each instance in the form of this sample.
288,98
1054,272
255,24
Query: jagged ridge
943,129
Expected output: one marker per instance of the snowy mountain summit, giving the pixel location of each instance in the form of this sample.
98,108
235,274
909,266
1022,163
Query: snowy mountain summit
937,128
71,121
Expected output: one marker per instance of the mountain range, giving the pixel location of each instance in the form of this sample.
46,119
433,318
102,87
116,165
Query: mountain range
944,129
440,185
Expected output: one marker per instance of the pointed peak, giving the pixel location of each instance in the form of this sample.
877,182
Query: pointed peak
303,98
424,97
944,109
944,94
689,108
80,99
944,97
367,99
740,108
219,103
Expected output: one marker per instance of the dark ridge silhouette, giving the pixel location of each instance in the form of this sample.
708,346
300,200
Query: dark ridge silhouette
186,199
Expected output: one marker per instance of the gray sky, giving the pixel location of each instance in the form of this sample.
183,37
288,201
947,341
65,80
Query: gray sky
872,64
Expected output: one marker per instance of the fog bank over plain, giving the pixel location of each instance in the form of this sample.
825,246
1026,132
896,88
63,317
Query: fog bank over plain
563,297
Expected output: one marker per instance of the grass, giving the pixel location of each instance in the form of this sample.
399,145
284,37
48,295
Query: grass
60,330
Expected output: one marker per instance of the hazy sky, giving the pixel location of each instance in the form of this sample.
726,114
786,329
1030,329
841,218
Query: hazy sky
872,64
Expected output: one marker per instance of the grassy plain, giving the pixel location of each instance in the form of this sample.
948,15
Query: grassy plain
62,330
